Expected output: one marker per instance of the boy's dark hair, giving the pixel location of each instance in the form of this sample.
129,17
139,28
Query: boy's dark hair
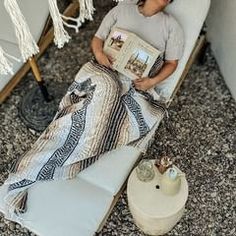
141,2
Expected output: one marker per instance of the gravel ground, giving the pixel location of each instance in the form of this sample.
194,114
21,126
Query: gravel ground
203,115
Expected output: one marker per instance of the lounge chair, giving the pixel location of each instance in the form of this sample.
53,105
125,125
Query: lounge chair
80,207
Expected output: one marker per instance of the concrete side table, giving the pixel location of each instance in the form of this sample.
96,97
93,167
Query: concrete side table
154,212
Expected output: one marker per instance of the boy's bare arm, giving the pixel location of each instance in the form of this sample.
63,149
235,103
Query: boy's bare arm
97,45
97,49
146,83
168,68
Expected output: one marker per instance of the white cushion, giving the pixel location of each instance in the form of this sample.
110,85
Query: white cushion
70,207
191,15
12,49
67,207
112,169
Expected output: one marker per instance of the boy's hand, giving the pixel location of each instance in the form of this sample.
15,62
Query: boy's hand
144,83
104,59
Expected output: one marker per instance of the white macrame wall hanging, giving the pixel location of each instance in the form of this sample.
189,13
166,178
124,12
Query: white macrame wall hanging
86,13
5,64
26,42
60,34
27,45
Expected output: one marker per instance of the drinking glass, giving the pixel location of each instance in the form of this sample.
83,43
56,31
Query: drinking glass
145,171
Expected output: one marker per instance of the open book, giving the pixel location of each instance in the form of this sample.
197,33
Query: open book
132,56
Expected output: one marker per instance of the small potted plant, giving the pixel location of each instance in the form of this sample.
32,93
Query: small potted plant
164,163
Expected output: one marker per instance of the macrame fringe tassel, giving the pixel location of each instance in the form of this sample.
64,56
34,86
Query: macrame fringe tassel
60,34
6,66
27,44
86,13
86,10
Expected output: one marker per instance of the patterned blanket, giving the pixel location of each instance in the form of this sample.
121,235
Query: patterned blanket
100,112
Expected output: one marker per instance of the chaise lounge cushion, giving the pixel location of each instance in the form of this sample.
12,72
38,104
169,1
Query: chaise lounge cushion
112,169
80,204
69,207
191,15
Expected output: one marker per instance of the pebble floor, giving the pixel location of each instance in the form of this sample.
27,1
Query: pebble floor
203,115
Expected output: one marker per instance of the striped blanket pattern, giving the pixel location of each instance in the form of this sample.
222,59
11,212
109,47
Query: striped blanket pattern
97,114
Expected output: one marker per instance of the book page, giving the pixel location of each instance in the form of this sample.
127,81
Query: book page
116,44
139,59
118,64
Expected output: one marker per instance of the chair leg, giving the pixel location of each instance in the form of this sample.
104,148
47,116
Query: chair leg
39,79
202,53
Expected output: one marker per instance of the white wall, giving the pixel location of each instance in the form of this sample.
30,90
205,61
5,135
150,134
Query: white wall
221,26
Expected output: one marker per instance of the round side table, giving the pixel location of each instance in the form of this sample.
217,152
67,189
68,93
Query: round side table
154,212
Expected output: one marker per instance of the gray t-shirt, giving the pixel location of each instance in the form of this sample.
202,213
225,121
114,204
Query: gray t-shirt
160,30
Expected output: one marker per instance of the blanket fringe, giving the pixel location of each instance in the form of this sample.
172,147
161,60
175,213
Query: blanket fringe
60,34
16,204
21,204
